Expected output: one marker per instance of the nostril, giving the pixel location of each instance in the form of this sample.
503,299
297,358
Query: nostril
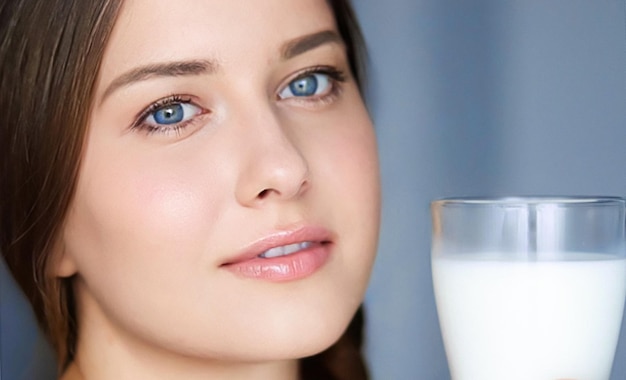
263,194
280,191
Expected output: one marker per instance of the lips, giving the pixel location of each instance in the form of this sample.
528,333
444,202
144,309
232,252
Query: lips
284,255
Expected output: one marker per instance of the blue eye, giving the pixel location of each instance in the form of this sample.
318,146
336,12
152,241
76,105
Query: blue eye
173,113
309,85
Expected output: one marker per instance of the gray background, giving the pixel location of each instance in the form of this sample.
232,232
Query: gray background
482,98
470,98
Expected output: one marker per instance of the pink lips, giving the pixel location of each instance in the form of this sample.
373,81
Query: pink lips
284,256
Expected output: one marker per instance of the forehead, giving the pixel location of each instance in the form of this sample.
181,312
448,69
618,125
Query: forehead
228,31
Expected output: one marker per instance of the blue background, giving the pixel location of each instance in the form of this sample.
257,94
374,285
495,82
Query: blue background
470,98
482,98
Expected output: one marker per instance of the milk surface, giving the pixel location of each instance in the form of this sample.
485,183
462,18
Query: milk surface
530,320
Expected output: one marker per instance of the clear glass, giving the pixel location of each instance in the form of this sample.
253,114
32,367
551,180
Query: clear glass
529,288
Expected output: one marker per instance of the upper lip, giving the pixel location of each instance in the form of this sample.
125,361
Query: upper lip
282,237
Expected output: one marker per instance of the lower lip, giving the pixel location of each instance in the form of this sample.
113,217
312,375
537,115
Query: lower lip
291,267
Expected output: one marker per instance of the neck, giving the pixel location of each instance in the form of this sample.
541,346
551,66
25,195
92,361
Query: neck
105,351
129,362
80,370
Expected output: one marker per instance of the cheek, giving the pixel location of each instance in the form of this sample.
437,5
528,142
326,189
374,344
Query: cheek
351,159
168,203
140,208
350,176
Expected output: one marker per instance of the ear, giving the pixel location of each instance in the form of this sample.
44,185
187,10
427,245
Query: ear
63,264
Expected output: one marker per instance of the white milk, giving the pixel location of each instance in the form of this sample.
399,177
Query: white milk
520,320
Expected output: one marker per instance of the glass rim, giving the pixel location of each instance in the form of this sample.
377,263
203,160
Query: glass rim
566,200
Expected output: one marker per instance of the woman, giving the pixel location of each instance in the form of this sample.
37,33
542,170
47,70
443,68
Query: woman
188,191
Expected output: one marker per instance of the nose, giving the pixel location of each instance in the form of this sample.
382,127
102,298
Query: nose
274,167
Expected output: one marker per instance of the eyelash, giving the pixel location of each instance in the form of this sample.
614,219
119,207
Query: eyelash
160,104
336,78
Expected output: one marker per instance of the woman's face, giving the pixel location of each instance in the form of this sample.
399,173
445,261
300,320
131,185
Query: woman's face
222,132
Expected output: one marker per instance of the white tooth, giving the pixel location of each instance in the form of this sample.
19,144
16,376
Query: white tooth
285,250
273,252
303,245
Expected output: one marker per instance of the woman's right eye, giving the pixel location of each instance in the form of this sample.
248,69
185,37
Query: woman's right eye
168,115
172,114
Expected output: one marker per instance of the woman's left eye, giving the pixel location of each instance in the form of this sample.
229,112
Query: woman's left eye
314,84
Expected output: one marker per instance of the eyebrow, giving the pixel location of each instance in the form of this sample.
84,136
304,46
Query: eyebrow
309,42
291,49
167,69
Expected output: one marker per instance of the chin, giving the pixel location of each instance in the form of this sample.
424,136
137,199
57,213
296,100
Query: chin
319,339
307,337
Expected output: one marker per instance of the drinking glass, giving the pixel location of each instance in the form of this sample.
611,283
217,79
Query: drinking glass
529,288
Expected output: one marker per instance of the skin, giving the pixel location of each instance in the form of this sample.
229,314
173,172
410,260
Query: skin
157,214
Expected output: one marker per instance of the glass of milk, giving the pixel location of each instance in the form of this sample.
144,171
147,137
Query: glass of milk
530,288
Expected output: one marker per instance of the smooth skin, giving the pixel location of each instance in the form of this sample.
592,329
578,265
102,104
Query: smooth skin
215,126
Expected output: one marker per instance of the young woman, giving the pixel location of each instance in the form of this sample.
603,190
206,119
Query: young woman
189,191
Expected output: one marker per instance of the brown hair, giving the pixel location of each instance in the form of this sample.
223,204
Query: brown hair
50,52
